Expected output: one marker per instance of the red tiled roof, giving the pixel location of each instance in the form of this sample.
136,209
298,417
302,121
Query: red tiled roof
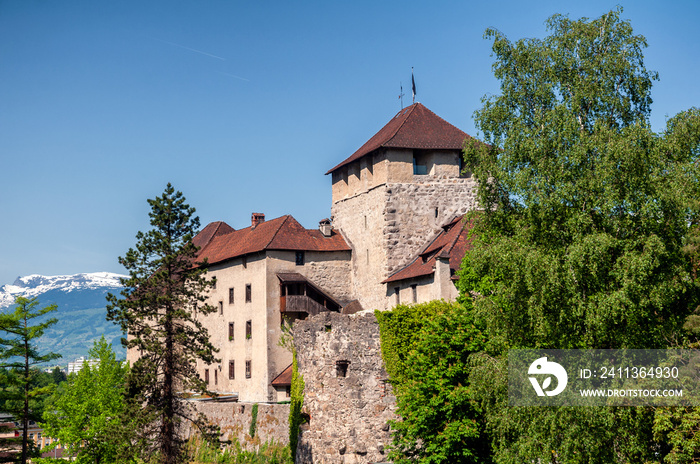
212,229
451,243
284,379
283,233
412,127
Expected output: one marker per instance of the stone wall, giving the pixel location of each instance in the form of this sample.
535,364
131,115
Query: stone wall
348,415
234,420
414,213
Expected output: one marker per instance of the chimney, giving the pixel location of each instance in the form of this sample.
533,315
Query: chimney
257,218
325,227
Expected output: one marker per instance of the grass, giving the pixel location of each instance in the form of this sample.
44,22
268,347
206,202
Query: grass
267,453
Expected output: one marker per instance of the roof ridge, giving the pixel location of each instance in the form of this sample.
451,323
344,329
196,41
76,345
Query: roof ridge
272,239
410,109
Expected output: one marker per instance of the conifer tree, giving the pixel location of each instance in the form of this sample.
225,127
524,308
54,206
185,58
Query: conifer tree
157,310
20,354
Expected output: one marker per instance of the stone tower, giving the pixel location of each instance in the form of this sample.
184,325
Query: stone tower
394,193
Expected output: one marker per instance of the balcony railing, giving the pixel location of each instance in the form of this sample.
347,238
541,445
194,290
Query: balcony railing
300,304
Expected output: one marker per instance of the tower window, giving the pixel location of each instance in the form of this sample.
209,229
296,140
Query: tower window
221,307
230,295
249,330
420,167
230,331
231,369
248,293
299,258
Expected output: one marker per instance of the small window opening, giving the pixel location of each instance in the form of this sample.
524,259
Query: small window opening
230,295
221,307
248,330
299,258
341,368
231,369
206,376
230,330
248,293
216,377
247,369
420,167
397,295
414,292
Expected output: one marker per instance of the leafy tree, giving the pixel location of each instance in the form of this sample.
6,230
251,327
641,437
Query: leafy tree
19,353
583,237
427,349
85,415
166,286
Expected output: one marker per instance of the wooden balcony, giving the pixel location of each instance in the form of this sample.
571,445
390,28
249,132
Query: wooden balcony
300,304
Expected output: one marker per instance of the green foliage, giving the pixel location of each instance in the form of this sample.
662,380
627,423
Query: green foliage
267,453
296,404
165,287
22,390
85,415
585,221
427,350
253,420
587,235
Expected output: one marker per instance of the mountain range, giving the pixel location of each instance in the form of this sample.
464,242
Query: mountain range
81,311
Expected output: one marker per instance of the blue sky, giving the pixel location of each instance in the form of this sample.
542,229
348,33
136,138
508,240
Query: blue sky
243,106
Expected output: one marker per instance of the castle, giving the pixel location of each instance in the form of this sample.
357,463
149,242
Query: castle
395,235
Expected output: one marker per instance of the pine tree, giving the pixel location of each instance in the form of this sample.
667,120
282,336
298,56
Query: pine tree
157,310
19,353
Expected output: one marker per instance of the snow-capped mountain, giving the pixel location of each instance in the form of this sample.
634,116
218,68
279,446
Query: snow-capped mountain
81,313
34,285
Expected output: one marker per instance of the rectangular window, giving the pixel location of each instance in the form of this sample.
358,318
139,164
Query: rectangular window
230,295
231,369
248,293
397,294
248,330
247,369
221,307
414,291
230,330
300,258
216,377
206,376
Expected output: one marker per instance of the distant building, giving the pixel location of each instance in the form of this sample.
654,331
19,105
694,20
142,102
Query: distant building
75,366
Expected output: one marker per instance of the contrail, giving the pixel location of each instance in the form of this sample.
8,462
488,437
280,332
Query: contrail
233,75
190,49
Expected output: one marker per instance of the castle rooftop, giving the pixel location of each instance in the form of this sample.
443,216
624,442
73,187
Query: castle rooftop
414,127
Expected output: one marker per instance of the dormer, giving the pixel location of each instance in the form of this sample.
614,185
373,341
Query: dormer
415,143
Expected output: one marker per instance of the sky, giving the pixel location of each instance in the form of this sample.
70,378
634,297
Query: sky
242,106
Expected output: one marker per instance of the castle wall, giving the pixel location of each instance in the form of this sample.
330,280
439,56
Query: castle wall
388,225
234,274
234,420
414,212
348,415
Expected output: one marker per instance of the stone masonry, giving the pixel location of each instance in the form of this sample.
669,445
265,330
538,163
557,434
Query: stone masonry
347,397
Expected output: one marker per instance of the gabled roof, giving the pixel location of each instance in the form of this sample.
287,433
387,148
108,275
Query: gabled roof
450,243
413,127
283,233
284,379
